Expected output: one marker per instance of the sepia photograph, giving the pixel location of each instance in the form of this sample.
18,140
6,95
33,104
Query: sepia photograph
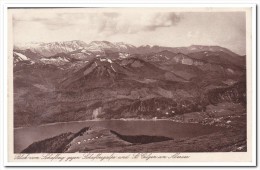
128,80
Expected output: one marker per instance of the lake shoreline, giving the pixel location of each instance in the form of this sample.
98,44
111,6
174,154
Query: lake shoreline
97,120
23,137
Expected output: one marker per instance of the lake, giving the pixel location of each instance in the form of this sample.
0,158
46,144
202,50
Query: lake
23,137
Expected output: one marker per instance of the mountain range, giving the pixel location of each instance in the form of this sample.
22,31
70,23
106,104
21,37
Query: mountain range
74,80
101,47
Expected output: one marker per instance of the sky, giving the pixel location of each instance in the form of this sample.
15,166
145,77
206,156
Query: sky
138,27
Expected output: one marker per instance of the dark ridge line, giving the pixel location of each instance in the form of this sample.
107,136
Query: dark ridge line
141,139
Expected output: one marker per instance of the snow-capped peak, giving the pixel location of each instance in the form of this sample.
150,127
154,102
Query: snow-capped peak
106,59
55,61
123,45
51,48
21,56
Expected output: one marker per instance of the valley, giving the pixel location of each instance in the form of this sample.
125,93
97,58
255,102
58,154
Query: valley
74,81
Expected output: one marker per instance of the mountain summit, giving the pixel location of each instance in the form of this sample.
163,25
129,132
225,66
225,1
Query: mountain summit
100,48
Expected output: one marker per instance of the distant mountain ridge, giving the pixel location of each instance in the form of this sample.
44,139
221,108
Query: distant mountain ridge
103,47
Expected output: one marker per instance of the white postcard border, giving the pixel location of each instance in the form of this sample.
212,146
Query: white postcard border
57,4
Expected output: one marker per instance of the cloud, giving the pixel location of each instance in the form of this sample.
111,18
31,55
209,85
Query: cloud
137,22
107,23
50,21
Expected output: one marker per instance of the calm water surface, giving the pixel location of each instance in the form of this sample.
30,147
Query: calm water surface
23,137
